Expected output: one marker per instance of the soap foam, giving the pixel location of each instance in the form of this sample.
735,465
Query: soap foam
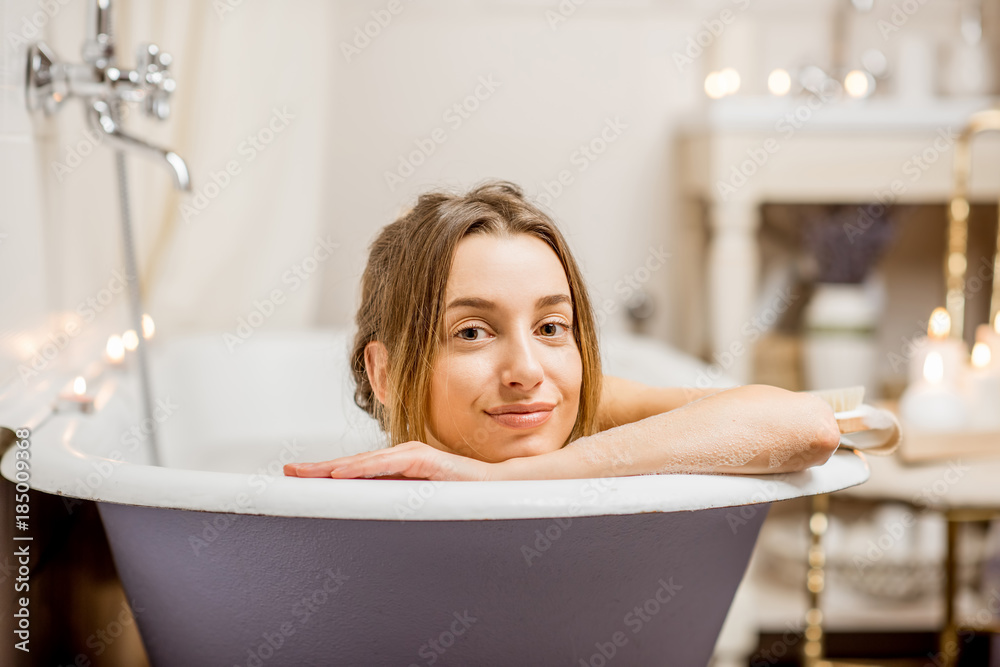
697,444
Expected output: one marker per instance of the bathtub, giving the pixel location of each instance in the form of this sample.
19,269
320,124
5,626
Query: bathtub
227,562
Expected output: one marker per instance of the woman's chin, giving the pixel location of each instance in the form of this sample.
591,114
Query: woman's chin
529,445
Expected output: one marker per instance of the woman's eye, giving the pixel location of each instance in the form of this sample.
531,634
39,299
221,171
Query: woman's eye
554,324
460,333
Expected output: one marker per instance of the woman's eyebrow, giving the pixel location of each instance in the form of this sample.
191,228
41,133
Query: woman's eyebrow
486,304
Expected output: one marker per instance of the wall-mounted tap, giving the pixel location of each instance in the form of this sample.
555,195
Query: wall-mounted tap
104,86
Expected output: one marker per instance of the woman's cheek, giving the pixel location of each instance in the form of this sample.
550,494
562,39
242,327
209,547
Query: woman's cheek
567,371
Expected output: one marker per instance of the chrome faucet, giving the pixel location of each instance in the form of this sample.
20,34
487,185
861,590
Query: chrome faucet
104,87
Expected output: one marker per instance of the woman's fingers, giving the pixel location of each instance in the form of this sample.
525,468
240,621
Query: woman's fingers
318,469
321,468
409,460
394,460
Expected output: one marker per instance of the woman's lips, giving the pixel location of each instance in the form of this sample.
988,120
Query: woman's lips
523,419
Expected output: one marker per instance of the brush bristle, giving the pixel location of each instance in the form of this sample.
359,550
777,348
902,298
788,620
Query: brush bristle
844,399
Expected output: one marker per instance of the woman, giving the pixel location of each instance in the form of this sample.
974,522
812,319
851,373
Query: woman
477,353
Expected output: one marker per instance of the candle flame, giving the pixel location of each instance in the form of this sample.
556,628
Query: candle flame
981,355
148,328
79,386
939,326
934,367
130,339
115,349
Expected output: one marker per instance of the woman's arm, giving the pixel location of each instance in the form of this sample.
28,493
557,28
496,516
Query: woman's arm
750,429
626,401
745,430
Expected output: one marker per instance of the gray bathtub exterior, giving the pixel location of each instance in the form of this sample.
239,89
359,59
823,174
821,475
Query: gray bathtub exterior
227,562
250,590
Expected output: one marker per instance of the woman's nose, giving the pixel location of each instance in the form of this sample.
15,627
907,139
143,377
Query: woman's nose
521,364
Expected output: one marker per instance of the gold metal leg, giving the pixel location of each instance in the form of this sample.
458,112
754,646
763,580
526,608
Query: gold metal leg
814,648
948,639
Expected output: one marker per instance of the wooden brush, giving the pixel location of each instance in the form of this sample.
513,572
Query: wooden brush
862,426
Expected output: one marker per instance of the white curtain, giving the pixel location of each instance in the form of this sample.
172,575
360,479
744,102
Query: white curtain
249,116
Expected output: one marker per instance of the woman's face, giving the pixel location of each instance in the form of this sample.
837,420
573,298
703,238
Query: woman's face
507,343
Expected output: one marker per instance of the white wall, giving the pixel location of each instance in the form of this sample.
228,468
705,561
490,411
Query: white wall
24,265
557,89
324,174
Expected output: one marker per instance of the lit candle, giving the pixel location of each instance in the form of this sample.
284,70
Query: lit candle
933,403
148,328
114,351
130,339
990,336
982,390
76,398
953,351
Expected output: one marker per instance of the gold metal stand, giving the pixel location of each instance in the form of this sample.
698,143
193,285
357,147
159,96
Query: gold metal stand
956,260
948,645
814,649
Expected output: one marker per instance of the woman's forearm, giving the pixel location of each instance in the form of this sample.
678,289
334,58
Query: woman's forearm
745,430
625,401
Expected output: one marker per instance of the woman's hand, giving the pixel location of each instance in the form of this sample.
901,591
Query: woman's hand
409,460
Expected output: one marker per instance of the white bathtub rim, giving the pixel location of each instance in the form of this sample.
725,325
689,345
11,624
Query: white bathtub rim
59,469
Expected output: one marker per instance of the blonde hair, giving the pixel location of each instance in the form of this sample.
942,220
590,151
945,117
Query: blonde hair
403,291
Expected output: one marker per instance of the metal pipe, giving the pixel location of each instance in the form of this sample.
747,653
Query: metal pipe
956,259
106,122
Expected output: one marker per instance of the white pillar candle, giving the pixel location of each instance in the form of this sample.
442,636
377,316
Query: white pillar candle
75,398
953,351
933,403
990,336
982,390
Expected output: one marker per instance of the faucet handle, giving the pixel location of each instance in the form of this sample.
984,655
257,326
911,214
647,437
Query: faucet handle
152,70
